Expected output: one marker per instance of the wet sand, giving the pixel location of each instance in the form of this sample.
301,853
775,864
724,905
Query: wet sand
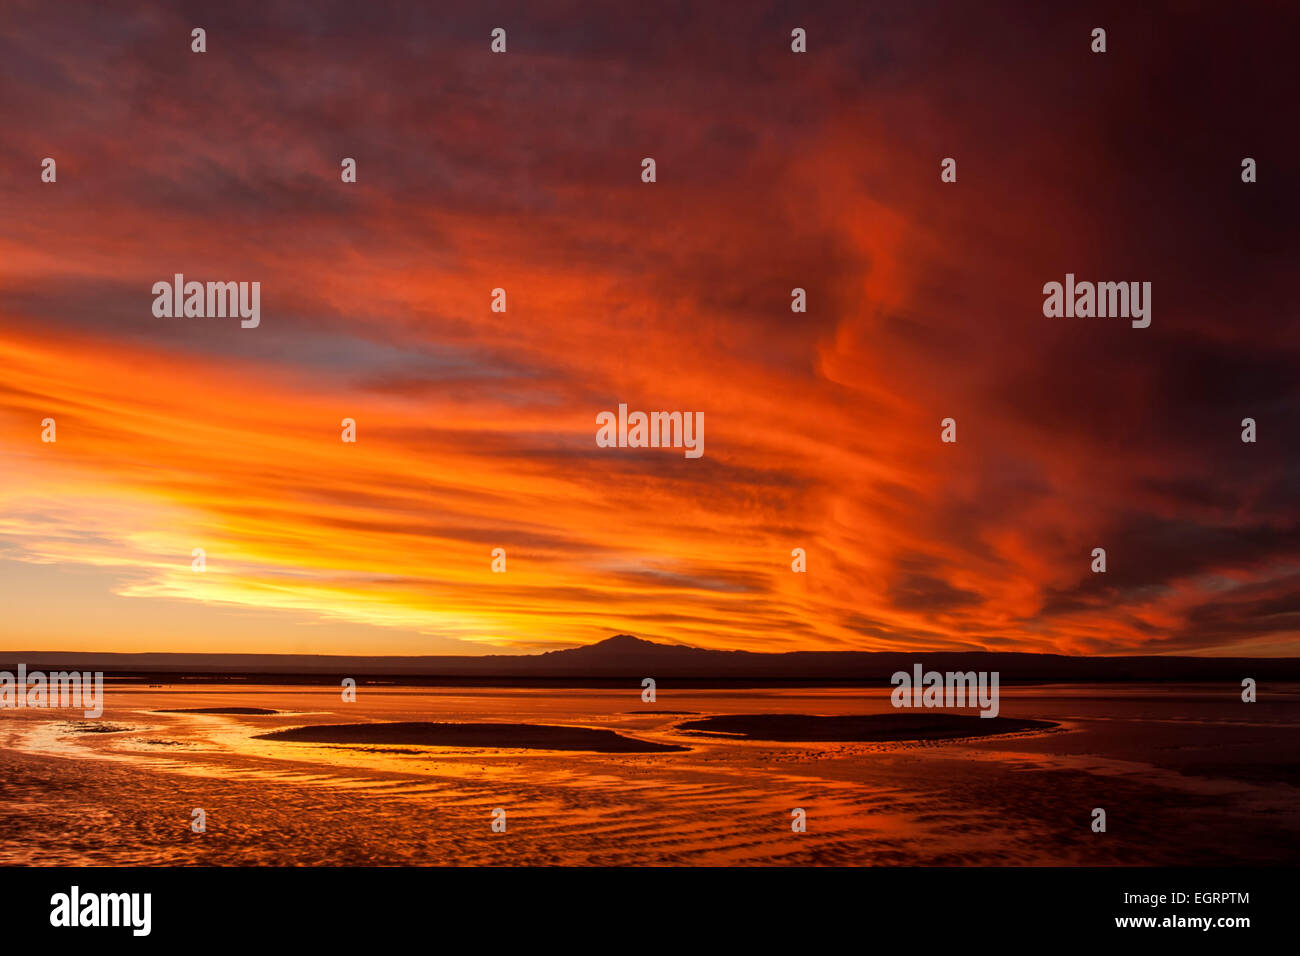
493,735
860,728
1187,775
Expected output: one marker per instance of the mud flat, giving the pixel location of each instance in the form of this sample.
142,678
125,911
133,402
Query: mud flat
858,728
502,736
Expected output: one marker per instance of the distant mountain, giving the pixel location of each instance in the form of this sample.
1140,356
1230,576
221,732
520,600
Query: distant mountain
624,650
625,657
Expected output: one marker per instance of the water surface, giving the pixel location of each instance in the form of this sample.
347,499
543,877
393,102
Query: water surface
1187,774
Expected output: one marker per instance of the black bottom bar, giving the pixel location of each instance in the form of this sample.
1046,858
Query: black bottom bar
654,907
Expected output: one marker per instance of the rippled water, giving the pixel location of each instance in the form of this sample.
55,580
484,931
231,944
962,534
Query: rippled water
1186,774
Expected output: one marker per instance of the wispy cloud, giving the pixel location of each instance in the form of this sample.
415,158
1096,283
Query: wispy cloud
476,429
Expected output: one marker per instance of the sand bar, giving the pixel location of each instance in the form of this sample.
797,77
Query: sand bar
504,736
803,728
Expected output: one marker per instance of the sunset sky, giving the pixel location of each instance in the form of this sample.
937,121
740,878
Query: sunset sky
476,430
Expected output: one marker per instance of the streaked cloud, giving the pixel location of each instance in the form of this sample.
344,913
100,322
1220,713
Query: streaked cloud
476,429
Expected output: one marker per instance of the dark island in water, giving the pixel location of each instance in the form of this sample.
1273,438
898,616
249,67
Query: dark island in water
858,728
487,735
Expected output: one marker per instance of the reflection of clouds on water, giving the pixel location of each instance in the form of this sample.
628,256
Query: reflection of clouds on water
126,796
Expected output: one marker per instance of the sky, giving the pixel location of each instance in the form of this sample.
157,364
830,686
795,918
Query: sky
476,429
